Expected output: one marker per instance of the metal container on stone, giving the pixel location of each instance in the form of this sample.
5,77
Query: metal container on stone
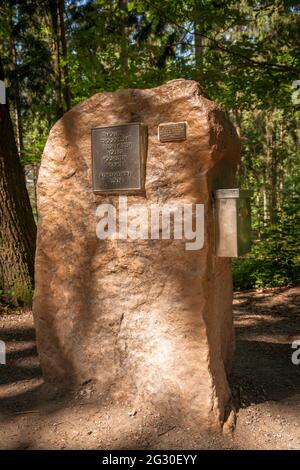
233,222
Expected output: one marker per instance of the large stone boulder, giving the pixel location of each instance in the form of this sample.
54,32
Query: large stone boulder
148,320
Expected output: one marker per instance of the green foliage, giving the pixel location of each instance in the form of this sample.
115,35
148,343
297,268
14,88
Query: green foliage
275,258
20,295
9,305
266,266
246,58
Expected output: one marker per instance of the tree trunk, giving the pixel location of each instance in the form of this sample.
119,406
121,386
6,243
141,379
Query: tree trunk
59,53
265,204
274,182
66,78
55,53
19,125
124,37
198,40
238,122
272,163
35,172
17,226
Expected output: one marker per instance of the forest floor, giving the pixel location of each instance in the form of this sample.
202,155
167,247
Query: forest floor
265,383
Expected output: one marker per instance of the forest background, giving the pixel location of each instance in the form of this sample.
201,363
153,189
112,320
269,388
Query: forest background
246,56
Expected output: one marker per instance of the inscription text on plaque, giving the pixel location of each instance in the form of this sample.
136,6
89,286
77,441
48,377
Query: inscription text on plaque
172,131
119,157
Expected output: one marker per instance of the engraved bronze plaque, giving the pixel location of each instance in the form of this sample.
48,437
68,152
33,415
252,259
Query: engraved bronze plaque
119,157
172,131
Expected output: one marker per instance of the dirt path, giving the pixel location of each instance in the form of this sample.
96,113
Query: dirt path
265,382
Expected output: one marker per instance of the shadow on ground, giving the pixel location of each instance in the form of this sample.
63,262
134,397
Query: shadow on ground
264,380
266,325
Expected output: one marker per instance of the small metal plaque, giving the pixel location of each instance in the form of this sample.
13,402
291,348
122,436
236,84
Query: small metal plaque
119,154
172,131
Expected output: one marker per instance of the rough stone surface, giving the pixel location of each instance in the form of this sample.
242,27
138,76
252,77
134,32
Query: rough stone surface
147,320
